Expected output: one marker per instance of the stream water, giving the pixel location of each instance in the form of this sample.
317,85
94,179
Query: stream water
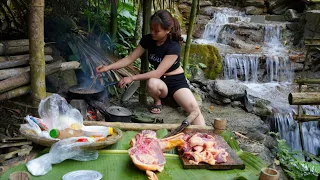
263,71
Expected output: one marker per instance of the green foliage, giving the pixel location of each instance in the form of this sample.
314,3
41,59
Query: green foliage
229,138
296,167
98,26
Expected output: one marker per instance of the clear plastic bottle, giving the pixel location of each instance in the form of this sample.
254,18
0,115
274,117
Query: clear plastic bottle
65,133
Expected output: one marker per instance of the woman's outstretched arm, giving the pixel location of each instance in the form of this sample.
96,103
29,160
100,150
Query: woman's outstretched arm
124,62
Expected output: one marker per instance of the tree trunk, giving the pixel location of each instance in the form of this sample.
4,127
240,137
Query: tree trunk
192,19
304,98
15,93
147,6
24,78
114,19
36,42
139,23
21,60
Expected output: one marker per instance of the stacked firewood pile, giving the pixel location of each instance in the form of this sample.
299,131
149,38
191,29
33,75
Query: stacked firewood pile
14,151
14,67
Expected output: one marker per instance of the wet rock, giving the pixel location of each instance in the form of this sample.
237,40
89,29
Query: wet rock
233,19
184,9
235,42
252,10
237,104
228,88
257,105
207,11
269,142
255,3
214,97
299,67
205,3
197,75
201,22
291,15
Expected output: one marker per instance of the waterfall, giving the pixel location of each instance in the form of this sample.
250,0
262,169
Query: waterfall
221,17
272,39
265,69
288,129
246,67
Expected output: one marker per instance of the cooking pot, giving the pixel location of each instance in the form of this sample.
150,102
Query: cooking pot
118,114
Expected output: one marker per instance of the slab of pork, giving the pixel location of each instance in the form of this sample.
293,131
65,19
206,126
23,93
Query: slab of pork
147,151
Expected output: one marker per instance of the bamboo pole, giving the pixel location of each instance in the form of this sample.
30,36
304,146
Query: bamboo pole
7,73
11,50
113,19
304,98
12,43
189,34
307,81
147,6
306,118
143,126
36,43
15,93
23,61
23,79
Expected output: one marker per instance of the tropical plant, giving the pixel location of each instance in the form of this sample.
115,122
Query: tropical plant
295,166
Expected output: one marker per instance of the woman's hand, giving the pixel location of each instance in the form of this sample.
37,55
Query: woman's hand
124,81
102,68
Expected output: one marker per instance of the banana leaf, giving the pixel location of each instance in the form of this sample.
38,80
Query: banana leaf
116,164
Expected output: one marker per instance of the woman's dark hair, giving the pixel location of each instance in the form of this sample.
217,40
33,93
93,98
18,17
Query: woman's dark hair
167,21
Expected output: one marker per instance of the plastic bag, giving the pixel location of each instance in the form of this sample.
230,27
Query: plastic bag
60,151
34,127
57,113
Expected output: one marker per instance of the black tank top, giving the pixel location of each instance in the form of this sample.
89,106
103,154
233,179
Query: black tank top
157,53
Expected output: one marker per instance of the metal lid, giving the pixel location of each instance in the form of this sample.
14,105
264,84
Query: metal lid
82,175
119,111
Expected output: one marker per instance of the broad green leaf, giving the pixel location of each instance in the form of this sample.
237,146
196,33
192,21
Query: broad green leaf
229,138
201,65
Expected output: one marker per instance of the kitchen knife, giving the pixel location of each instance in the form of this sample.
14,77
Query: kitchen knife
184,124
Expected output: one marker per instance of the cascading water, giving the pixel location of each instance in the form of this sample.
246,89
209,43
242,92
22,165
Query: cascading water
220,18
263,71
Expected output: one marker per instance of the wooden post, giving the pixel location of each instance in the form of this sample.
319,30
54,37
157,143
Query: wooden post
144,58
192,19
219,125
36,42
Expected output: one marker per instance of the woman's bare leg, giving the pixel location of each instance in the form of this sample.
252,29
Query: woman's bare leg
187,101
157,89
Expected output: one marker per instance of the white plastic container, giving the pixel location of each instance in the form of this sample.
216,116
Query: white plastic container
102,131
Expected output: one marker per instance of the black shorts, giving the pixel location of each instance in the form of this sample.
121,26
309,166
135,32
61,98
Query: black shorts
174,83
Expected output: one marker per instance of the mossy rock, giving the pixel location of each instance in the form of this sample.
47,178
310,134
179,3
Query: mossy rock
206,54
